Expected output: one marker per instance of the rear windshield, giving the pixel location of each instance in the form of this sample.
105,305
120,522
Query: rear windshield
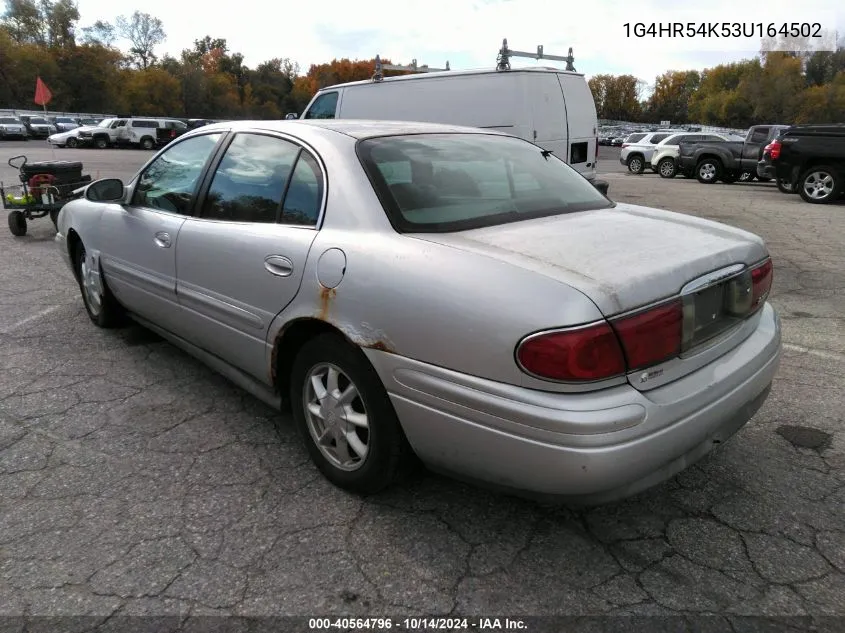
4,119
633,138
37,120
451,182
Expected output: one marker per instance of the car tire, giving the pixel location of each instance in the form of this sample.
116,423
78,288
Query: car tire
71,143
100,304
820,184
708,171
636,164
17,223
319,412
785,186
147,143
101,142
666,168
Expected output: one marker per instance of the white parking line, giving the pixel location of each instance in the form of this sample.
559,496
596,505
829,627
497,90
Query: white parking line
814,352
29,319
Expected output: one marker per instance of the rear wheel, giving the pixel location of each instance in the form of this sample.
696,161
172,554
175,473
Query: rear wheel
785,186
17,223
820,184
636,164
666,168
708,171
345,416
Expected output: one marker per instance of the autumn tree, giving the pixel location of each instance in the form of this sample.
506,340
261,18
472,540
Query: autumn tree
101,32
617,97
144,33
671,96
45,22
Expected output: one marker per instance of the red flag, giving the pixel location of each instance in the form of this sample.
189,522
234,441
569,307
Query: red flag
42,93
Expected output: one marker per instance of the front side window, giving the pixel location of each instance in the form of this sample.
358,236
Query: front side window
452,182
323,107
169,182
759,135
250,181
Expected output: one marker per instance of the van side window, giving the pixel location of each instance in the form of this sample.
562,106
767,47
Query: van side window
324,107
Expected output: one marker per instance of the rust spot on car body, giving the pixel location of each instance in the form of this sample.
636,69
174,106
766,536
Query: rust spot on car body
326,296
381,346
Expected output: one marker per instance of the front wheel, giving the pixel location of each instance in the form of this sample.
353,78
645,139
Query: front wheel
666,168
17,223
345,416
100,304
147,143
71,143
820,184
101,142
708,171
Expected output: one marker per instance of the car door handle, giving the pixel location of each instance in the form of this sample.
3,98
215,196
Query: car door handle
278,265
162,239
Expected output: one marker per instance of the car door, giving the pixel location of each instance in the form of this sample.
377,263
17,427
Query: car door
138,244
240,261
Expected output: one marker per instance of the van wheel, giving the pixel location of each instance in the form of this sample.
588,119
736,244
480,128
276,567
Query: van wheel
636,165
666,168
708,171
820,184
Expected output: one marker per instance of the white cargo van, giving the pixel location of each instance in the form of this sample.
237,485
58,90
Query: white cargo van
550,107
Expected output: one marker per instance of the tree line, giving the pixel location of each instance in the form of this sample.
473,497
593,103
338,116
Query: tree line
87,71
775,87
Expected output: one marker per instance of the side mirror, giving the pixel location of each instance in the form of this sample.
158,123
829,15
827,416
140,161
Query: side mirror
602,186
291,115
106,190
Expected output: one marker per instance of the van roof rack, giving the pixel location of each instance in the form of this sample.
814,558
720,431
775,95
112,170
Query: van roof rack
503,61
412,67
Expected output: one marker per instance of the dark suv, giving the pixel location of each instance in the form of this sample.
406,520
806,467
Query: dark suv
810,159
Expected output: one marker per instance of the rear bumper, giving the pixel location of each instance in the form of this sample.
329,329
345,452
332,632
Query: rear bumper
589,447
766,170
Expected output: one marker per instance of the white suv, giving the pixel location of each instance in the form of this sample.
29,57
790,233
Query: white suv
636,152
143,132
664,160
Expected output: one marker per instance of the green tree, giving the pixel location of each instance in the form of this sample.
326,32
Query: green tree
144,33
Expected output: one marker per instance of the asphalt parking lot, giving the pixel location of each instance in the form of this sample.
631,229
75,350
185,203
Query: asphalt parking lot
135,481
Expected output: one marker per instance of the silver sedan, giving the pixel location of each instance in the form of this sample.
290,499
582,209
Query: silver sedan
453,295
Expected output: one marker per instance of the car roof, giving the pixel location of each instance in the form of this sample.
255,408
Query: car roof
358,129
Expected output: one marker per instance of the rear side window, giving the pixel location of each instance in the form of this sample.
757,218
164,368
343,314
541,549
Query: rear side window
578,153
144,123
658,137
323,107
635,138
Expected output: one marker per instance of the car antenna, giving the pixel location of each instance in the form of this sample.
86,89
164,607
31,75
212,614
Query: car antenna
412,67
503,61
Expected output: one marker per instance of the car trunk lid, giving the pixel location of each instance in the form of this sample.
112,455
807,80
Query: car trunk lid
623,259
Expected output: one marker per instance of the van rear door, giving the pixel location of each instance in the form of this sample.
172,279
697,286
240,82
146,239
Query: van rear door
582,122
548,110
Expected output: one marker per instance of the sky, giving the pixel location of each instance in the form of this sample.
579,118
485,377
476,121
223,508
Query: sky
469,33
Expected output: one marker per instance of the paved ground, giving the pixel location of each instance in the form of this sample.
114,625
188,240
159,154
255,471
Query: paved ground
135,481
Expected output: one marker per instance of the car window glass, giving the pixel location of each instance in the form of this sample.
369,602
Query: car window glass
305,193
658,137
634,138
759,135
250,181
169,182
324,107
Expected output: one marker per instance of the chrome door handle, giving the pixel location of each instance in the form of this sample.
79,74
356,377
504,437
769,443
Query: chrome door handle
162,239
278,265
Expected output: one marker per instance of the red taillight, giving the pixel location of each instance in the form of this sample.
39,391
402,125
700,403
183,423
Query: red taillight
652,336
761,283
624,145
774,149
577,355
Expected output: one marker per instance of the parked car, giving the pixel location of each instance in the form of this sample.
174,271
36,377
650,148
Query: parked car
38,126
69,139
64,123
581,376
810,159
638,149
105,134
665,158
144,132
727,161
553,108
12,127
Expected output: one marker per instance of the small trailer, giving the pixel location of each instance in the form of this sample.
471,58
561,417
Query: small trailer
45,188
